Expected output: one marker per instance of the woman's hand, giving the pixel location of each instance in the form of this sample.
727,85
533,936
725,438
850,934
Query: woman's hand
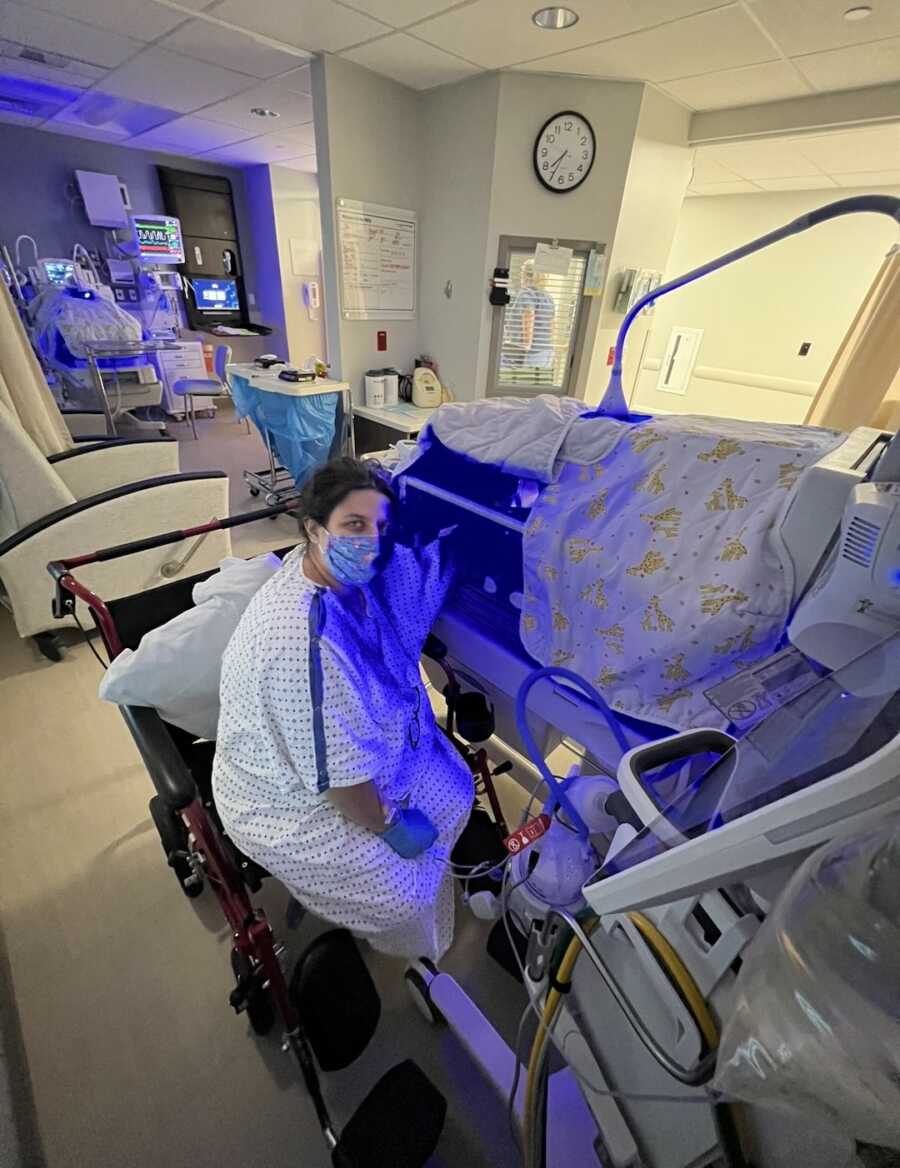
360,804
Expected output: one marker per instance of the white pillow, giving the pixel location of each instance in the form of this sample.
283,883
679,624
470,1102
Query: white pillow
176,667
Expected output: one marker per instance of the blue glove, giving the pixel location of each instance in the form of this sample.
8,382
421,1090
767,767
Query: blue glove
411,833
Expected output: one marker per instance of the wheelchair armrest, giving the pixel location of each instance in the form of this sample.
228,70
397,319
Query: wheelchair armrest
168,771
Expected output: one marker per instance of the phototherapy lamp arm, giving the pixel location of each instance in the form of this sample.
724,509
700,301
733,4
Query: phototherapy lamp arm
613,404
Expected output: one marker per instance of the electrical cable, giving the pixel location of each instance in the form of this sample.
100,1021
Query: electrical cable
511,1098
89,642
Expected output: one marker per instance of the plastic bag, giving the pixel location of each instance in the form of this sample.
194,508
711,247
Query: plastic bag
816,1024
304,429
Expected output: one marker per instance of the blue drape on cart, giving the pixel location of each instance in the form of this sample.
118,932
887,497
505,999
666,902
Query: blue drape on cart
303,431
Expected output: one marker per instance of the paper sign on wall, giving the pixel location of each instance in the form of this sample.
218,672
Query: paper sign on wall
551,261
377,257
596,271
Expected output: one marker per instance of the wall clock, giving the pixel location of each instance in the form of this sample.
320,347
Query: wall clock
564,151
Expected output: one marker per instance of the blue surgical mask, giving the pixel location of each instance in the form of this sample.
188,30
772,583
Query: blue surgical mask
351,558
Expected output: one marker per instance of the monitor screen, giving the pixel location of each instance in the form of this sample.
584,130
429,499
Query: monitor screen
159,238
219,295
57,271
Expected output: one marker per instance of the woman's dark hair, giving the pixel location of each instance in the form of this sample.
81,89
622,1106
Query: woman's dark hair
330,484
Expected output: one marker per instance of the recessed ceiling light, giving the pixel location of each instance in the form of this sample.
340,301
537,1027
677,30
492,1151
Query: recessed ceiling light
554,19
260,111
858,12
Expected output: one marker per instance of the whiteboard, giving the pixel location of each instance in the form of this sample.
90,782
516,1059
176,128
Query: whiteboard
377,260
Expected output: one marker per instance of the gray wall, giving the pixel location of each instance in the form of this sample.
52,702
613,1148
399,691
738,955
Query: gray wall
368,148
459,134
38,193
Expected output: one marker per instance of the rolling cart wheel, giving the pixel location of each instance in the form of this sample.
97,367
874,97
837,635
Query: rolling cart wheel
254,999
420,992
254,491
272,501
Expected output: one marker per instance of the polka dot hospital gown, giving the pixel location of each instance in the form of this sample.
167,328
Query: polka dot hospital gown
321,691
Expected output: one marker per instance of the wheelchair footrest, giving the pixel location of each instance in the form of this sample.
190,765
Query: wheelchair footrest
397,1125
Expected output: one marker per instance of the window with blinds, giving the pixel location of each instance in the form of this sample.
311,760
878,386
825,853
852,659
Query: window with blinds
534,340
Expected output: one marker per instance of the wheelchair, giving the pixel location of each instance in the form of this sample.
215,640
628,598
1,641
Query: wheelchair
329,1008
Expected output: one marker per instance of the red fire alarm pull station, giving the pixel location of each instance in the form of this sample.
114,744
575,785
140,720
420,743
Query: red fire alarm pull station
381,340
611,355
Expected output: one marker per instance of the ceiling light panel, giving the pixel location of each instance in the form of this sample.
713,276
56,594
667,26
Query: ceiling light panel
495,33
317,25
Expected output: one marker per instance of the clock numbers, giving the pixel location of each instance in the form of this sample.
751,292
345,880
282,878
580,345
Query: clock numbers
564,152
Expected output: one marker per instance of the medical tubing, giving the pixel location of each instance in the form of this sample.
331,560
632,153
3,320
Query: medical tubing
641,1096
680,974
556,788
613,402
552,1003
691,1076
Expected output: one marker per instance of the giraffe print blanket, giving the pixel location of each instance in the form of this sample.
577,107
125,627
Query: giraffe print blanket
656,570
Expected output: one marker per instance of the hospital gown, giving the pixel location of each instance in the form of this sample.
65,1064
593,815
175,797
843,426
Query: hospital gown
321,691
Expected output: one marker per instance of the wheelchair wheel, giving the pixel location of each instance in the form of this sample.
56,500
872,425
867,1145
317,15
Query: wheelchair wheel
174,839
250,996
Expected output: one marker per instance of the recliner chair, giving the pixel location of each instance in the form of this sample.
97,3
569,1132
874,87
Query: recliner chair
90,496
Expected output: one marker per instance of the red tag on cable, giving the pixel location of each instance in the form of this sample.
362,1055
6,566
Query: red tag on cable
527,834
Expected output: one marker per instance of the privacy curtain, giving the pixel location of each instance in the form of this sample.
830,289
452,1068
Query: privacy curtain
862,385
23,387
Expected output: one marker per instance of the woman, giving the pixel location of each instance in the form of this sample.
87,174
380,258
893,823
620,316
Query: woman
330,769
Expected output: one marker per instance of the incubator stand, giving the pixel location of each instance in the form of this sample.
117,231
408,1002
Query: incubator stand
115,354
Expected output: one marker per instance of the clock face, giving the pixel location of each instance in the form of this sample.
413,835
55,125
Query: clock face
564,151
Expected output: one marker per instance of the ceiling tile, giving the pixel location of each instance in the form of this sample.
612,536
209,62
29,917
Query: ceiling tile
14,119
683,48
141,19
267,148
186,84
191,134
494,33
231,50
411,62
400,13
707,170
72,130
73,74
297,81
778,158
735,87
819,183
57,34
306,163
869,178
319,25
294,109
807,26
854,151
853,68
737,187
119,116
